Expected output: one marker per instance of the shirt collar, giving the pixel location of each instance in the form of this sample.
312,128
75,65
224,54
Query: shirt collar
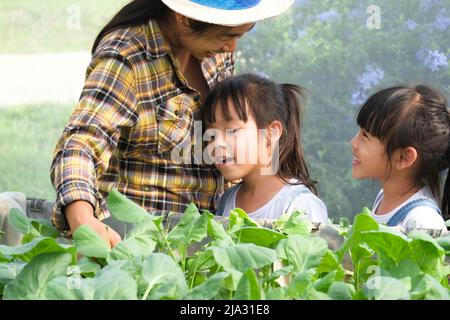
156,44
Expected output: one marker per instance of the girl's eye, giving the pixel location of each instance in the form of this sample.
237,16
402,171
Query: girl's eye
233,131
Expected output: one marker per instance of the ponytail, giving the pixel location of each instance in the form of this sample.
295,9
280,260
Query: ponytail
292,160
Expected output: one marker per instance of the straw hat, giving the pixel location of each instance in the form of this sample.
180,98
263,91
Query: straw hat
229,12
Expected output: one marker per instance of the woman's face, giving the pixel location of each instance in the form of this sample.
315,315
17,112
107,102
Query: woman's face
212,41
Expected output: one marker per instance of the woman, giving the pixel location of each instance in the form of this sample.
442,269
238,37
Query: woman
151,66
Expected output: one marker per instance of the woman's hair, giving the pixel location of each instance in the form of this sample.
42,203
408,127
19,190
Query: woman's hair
416,117
138,12
267,102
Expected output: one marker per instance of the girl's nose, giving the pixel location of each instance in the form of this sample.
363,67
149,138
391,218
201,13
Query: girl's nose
353,140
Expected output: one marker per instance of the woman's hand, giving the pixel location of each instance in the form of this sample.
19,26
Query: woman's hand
81,212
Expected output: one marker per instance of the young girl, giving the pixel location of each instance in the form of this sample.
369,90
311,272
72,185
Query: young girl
403,142
243,111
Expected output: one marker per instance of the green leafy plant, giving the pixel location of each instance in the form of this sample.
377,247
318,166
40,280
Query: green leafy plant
197,256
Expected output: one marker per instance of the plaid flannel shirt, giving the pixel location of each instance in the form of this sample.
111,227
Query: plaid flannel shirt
135,108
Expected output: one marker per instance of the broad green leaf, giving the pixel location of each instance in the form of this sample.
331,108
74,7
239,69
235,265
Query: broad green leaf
192,227
139,242
239,218
134,268
248,288
323,284
387,288
208,289
88,266
110,284
329,263
123,209
388,245
133,247
360,252
260,236
20,221
89,243
428,288
9,271
244,256
406,268
362,222
278,273
26,252
165,279
203,260
277,294
294,223
302,252
341,291
69,288
115,285
444,242
31,282
427,253
218,234
233,280
45,228
302,285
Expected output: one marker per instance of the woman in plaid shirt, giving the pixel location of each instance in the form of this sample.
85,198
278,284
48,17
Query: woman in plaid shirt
151,66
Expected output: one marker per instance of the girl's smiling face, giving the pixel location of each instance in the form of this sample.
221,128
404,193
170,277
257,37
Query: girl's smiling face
370,160
234,145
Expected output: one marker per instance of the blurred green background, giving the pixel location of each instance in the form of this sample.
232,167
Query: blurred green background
341,51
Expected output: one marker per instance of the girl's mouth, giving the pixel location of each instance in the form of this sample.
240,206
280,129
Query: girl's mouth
356,161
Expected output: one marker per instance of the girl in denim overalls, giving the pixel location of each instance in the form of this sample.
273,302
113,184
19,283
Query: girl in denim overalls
403,142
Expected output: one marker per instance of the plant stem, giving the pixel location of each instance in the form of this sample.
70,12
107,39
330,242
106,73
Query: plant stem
166,243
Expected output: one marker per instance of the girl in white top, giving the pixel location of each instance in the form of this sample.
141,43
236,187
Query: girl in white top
254,129
404,142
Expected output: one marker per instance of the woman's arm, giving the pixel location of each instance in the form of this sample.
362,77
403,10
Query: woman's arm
107,104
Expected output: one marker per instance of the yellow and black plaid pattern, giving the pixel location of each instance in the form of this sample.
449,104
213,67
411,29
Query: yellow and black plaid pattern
135,108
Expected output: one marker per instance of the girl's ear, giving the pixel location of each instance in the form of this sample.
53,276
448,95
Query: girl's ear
406,158
274,131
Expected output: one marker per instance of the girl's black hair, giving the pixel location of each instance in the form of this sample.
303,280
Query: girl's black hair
138,12
267,102
417,117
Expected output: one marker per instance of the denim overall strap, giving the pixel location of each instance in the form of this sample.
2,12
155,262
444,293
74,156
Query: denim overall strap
401,214
298,190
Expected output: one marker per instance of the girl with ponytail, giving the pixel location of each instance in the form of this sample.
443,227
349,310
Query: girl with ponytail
254,129
403,142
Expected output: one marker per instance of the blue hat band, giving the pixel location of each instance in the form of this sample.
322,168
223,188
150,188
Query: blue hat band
228,4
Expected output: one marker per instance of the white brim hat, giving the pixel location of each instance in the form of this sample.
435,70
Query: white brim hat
229,12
